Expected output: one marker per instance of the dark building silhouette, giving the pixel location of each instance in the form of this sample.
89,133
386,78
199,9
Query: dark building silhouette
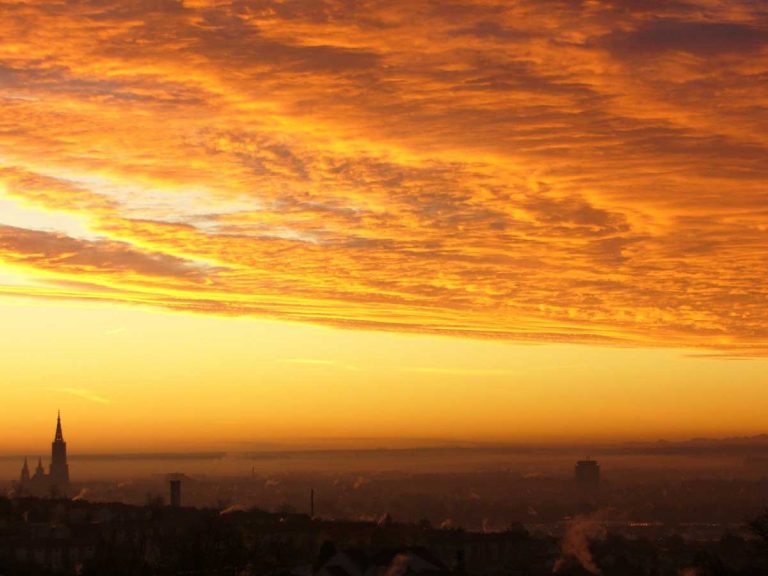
176,493
587,475
59,470
56,482
24,473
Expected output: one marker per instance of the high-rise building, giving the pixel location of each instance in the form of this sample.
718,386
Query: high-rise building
587,475
176,493
56,482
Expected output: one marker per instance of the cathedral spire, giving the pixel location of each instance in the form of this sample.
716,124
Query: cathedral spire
59,469
59,436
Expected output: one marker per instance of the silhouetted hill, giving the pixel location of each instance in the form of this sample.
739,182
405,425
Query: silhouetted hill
734,444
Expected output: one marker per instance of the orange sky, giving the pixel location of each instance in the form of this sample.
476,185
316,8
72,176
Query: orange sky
474,219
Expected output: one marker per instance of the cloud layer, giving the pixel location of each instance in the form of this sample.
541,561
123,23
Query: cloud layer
537,170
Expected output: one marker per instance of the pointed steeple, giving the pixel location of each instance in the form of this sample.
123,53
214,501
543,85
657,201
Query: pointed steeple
59,469
59,436
24,473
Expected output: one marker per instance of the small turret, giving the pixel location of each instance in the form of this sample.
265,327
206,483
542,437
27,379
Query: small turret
24,473
39,471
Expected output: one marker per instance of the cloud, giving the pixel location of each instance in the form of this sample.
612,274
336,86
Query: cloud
535,171
318,362
67,255
697,38
81,393
459,371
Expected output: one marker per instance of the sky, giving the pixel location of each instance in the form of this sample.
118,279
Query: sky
225,222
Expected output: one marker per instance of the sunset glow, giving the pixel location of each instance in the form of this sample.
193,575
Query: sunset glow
485,220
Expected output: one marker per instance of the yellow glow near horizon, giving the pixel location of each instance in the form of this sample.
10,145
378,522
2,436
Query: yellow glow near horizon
136,379
485,220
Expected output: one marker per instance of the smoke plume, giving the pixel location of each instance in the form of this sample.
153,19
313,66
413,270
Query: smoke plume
575,544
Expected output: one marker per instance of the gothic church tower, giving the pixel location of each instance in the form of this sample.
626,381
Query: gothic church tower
59,470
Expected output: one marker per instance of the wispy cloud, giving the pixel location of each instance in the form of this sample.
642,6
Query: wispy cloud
83,393
459,371
318,362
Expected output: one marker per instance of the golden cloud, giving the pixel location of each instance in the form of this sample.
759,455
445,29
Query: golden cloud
589,172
